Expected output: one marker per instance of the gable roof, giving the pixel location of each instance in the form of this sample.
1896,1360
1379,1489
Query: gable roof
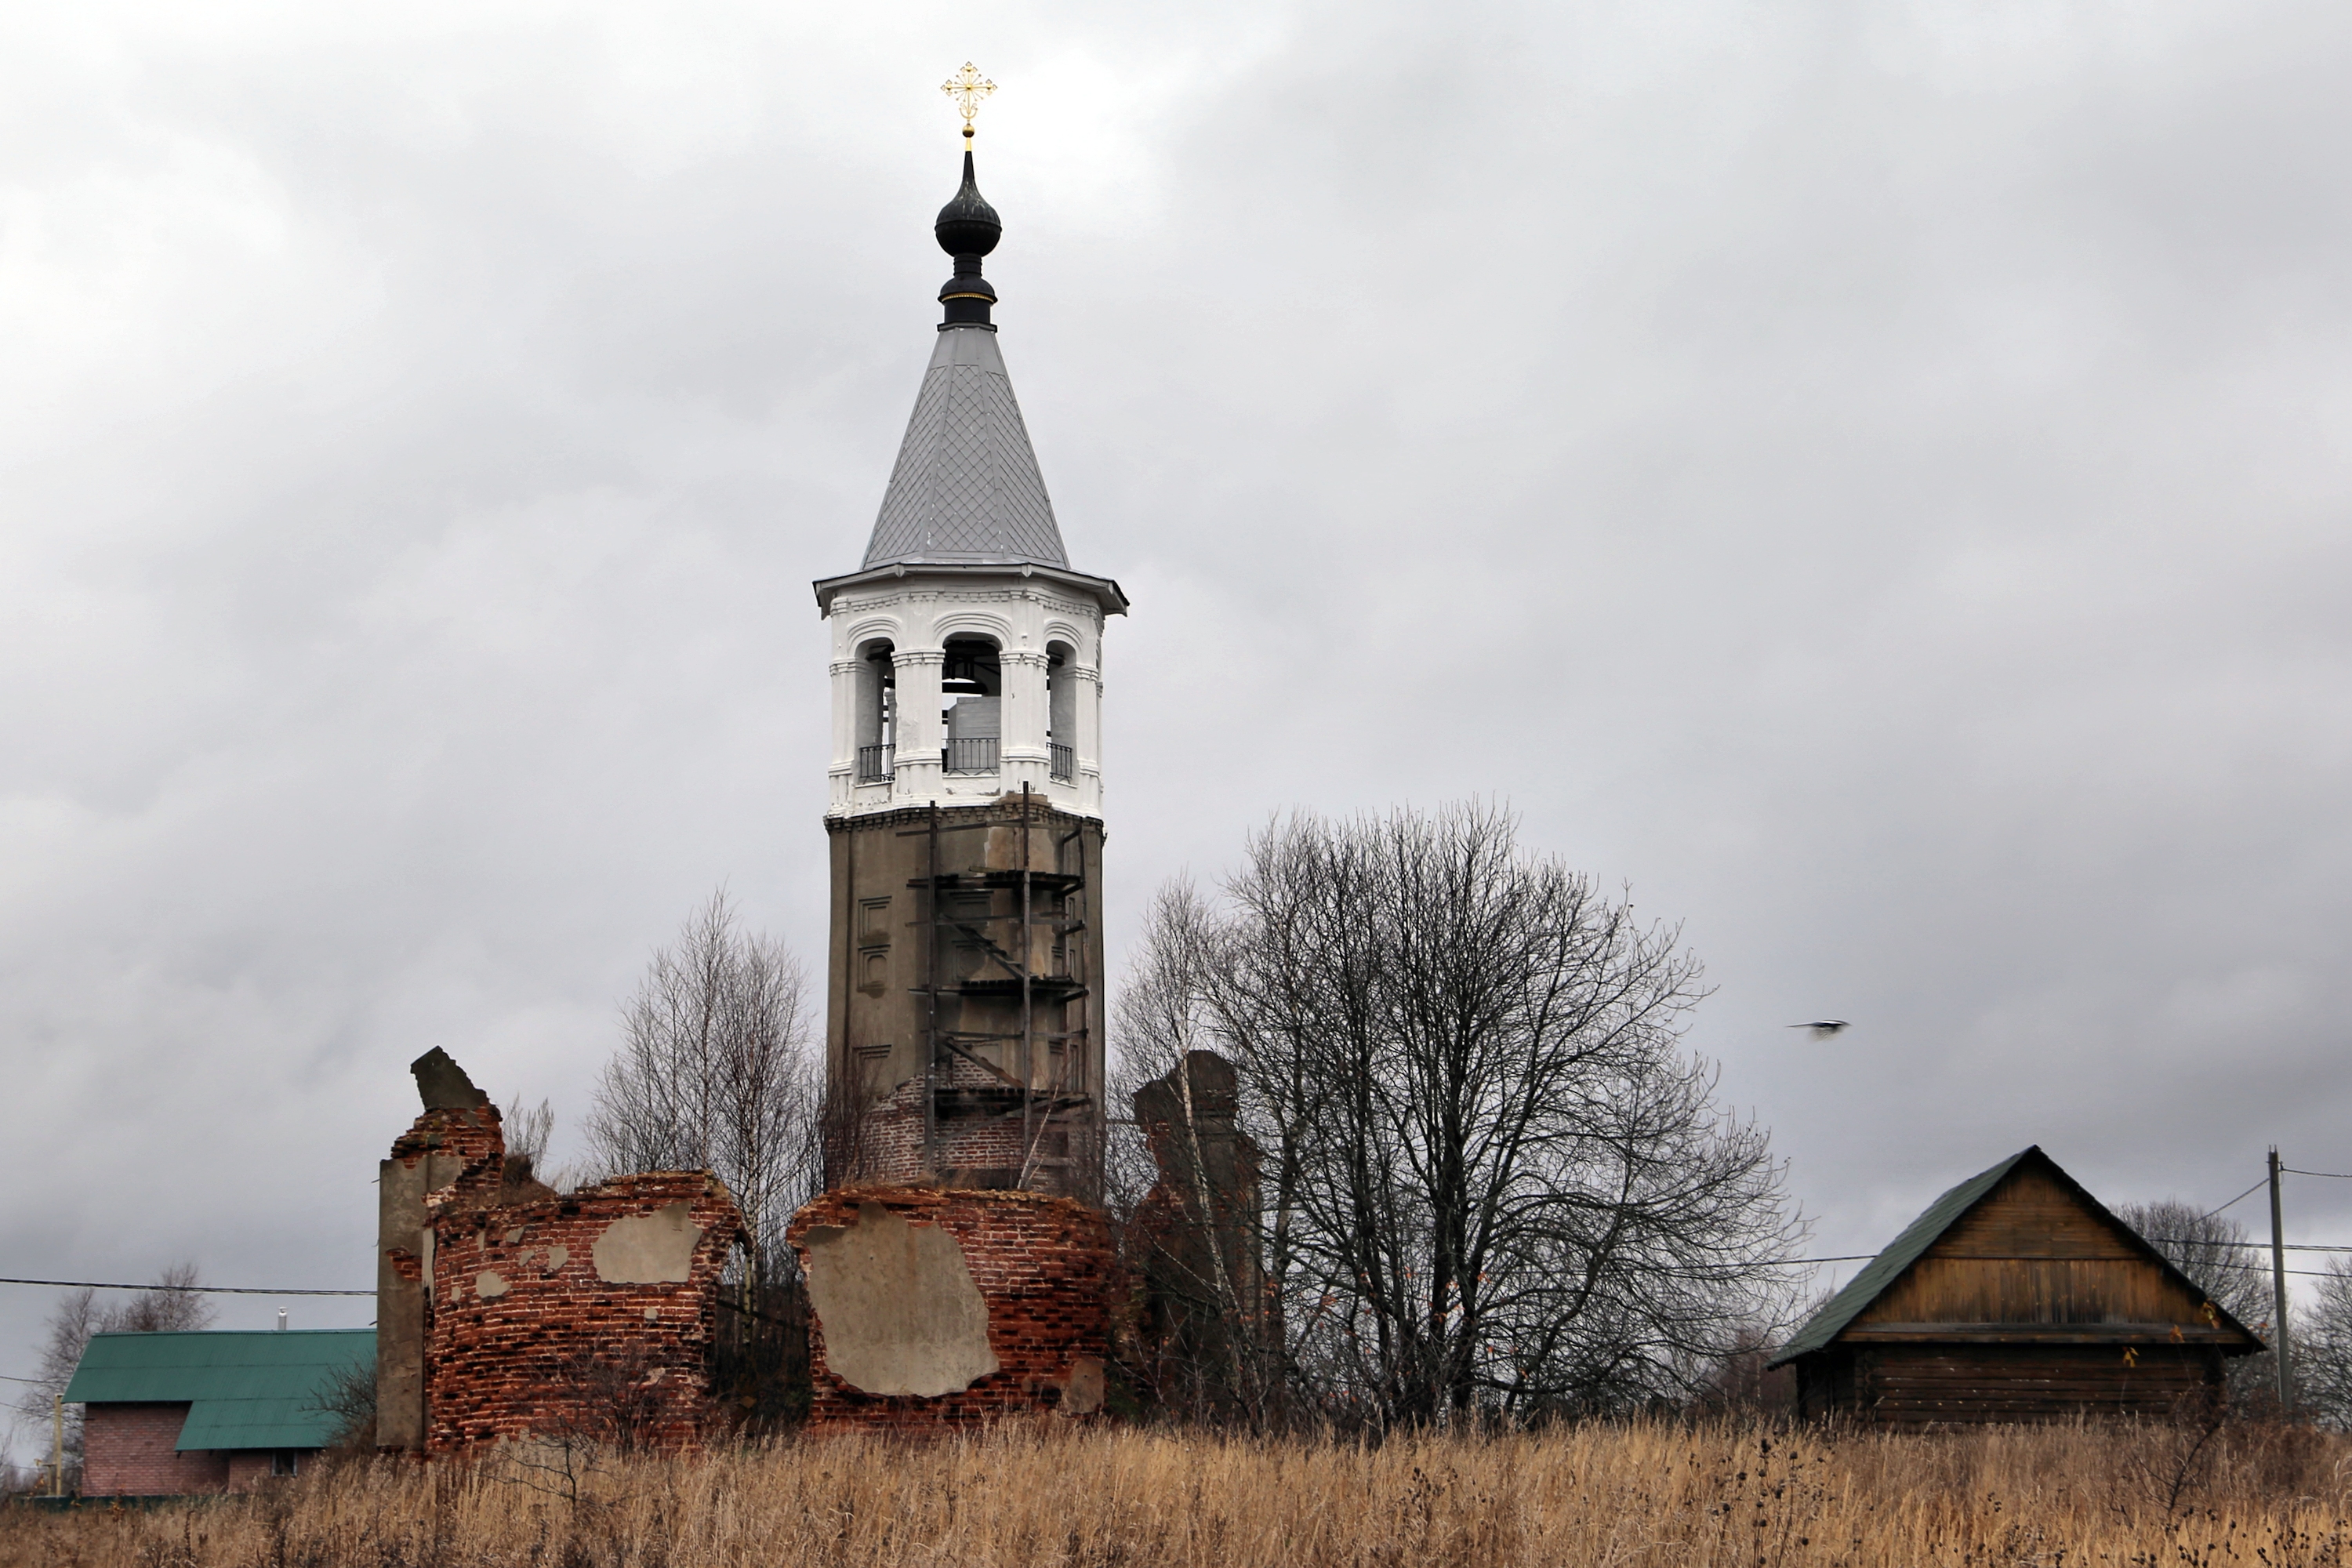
966,487
246,1388
1882,1271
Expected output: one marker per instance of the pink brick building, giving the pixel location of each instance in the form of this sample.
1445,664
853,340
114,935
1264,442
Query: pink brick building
167,1414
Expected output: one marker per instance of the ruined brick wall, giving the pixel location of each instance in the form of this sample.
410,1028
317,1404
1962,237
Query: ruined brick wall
587,1315
1046,1275
127,1452
449,1150
1205,1302
470,1136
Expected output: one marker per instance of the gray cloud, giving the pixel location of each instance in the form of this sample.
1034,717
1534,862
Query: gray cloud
1872,479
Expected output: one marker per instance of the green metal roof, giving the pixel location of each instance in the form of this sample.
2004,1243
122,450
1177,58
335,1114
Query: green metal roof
260,1388
1901,1253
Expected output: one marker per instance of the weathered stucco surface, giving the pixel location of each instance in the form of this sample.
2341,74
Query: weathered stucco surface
901,1312
654,1248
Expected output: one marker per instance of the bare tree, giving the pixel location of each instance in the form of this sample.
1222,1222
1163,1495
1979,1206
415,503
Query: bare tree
2322,1349
528,1129
2215,1251
1493,1181
714,1073
347,1397
169,1305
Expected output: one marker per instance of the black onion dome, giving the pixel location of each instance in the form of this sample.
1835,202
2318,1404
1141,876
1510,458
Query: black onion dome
968,226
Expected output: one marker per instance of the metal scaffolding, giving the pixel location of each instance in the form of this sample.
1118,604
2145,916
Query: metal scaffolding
966,905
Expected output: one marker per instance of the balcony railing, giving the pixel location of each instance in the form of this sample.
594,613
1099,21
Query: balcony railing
875,763
1063,762
977,755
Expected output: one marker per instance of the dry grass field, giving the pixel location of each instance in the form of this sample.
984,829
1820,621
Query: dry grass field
1645,1494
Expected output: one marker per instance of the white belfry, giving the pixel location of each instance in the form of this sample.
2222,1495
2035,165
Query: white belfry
966,655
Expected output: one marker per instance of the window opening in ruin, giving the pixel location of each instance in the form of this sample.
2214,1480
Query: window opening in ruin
285,1462
1061,714
972,690
878,696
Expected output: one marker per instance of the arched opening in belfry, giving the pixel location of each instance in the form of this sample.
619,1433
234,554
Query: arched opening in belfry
971,689
1061,712
878,698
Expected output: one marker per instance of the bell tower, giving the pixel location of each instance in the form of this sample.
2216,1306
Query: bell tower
964,979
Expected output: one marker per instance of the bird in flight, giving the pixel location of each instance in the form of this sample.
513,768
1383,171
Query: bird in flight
1823,1028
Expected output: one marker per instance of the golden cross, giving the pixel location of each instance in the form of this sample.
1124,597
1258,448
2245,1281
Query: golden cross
968,87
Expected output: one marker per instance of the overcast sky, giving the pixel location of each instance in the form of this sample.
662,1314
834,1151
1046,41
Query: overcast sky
1873,478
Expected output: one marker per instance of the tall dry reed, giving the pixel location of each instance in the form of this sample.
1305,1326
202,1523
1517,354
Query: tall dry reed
1645,1493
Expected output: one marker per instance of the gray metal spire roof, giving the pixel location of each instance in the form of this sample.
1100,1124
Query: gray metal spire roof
966,488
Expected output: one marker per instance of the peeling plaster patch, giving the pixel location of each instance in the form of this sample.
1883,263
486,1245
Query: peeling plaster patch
489,1286
897,1307
514,1234
654,1248
1082,1391
552,1260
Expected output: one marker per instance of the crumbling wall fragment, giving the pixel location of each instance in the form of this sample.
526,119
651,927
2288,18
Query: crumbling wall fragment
507,1310
456,1142
1044,1270
543,1327
1207,1317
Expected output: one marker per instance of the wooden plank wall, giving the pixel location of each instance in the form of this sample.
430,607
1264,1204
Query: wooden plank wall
1919,1385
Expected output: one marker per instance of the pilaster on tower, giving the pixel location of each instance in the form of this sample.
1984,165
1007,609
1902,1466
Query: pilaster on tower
965,978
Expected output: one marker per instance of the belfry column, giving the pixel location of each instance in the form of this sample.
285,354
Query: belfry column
1089,760
841,774
1025,720
919,730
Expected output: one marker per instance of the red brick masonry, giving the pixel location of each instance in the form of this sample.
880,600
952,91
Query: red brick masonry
1047,1269
529,1337
470,1135
127,1452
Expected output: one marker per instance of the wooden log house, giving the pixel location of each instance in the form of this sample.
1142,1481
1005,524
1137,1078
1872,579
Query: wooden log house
2015,1297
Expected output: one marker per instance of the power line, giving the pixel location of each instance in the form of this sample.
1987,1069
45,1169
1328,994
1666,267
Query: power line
184,1289
2250,1245
2264,1269
2241,1197
2331,1175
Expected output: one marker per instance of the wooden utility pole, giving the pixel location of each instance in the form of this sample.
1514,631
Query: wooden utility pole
58,1445
2278,1290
